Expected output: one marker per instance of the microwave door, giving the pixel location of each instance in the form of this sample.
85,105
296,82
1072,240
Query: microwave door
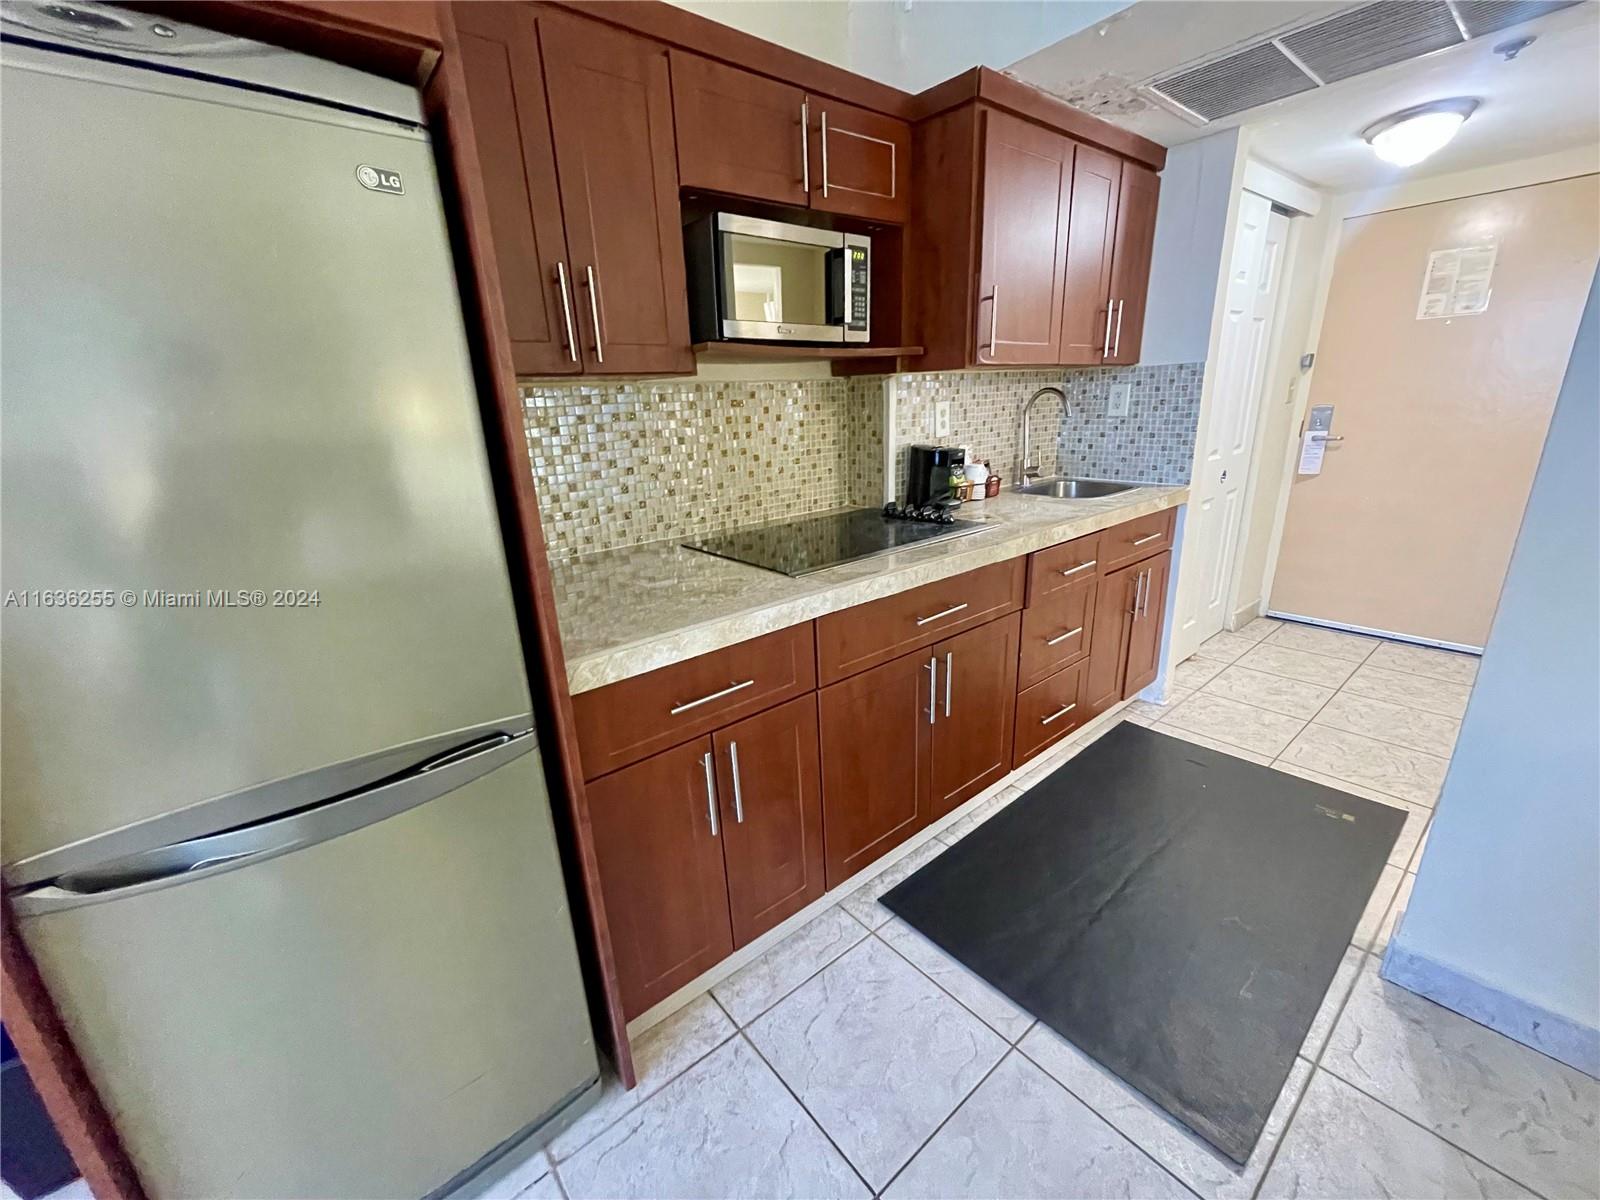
774,280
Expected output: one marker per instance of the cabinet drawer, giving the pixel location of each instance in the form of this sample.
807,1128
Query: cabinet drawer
1057,632
880,630
1062,566
1046,713
1134,540
627,721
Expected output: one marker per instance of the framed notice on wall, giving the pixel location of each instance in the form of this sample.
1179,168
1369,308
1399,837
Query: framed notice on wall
1457,282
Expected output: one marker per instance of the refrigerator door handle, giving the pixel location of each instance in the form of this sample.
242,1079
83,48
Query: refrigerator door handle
202,857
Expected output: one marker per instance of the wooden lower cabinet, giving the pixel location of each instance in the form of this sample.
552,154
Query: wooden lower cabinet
770,796
1144,626
877,728
657,839
974,712
1047,712
1106,670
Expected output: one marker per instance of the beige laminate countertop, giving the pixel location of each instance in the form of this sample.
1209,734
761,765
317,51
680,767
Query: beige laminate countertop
625,612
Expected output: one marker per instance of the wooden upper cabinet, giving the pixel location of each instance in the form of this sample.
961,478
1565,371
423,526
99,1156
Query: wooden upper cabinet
611,116
876,730
658,845
738,132
860,161
1027,186
975,704
1085,317
1130,260
770,793
506,91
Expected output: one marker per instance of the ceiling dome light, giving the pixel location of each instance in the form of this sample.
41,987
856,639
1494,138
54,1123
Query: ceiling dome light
1407,137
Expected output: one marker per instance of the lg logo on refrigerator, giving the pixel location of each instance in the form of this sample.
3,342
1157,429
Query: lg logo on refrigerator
375,179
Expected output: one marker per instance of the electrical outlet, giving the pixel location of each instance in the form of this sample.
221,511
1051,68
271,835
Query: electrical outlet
1121,397
941,418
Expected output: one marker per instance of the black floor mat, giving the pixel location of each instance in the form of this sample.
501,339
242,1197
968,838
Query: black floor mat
1175,912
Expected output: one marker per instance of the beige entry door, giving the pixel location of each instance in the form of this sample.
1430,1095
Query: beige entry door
1409,526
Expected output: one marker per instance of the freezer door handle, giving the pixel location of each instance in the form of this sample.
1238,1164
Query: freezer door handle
202,857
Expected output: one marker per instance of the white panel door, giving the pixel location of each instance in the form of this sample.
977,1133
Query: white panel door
1227,433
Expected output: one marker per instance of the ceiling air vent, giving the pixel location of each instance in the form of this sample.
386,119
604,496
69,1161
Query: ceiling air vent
1258,75
1372,36
1488,16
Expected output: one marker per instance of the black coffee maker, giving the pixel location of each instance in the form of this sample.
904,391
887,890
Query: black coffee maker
933,477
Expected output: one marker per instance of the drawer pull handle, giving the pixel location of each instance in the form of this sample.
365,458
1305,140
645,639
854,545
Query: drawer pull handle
936,616
738,790
1061,637
1149,537
1079,567
1058,713
727,691
711,794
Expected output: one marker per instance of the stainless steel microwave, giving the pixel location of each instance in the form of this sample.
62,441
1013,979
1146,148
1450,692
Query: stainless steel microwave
756,280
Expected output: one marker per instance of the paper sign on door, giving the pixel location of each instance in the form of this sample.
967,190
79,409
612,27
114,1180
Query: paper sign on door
1314,443
1456,283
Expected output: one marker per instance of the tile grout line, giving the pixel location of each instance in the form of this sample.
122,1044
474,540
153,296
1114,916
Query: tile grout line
959,1105
810,1116
1101,1117
964,1007
1382,1103
839,904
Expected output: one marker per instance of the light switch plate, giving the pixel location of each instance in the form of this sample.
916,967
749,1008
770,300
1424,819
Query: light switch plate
941,418
1121,397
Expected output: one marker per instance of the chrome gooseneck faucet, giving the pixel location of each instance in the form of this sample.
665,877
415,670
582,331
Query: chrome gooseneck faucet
1030,470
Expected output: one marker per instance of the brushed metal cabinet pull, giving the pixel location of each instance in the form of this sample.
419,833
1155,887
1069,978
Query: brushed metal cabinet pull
1117,353
824,154
711,793
594,313
949,674
1149,537
1106,352
1061,637
738,789
1060,712
805,145
947,612
933,685
727,691
566,311
1138,590
1079,567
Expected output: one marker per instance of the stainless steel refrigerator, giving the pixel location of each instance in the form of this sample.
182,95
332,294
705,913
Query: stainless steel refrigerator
274,822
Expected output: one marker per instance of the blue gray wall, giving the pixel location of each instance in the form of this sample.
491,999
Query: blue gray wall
1504,921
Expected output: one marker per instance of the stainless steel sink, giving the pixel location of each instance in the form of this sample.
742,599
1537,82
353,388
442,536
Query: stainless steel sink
1075,489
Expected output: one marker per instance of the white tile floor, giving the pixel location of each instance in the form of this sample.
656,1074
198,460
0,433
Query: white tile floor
856,1058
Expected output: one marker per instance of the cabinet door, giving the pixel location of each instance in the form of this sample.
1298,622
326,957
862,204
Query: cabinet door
1027,186
976,704
1144,632
611,115
860,161
876,730
738,132
1108,653
658,843
511,124
1085,327
769,789
1130,259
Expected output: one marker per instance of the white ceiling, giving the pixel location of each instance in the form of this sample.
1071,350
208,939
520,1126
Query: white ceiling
1548,99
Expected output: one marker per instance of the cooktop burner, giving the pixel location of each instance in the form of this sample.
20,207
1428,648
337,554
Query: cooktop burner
817,543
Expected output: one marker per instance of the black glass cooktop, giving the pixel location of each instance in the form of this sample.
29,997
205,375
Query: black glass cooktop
817,543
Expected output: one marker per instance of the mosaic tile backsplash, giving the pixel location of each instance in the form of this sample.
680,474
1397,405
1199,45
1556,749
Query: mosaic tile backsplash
630,462
622,463
1153,443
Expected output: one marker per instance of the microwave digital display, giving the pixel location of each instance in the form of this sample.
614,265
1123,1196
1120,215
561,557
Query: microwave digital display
757,280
